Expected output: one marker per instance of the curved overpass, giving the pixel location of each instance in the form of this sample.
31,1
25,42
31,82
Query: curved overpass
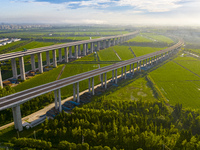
15,100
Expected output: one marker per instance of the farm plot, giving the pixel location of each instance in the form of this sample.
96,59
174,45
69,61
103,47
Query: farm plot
124,52
107,55
178,84
139,51
140,38
159,38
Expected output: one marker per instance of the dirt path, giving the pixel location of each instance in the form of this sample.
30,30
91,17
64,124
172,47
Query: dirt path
116,54
132,51
61,72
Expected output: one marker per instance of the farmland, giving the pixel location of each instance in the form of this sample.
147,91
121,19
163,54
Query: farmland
179,81
124,52
158,38
108,55
140,39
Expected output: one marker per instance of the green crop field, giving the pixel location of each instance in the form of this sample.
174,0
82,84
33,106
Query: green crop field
10,45
158,38
136,90
107,55
140,38
40,79
139,51
124,52
178,82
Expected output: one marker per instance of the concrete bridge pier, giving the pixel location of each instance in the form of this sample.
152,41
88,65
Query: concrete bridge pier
140,65
130,68
70,52
146,62
115,76
133,68
92,85
79,50
22,69
137,66
60,54
89,87
77,88
113,42
143,63
54,58
104,44
102,80
98,45
56,99
40,65
91,47
14,68
109,42
84,49
106,80
47,59
74,92
76,51
1,82
122,73
33,62
66,54
17,118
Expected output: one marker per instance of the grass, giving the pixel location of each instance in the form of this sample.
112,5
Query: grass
40,79
179,84
10,45
158,38
140,38
124,52
139,51
136,90
107,55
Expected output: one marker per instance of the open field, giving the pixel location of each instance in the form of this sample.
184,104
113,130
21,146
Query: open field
107,55
139,51
158,38
140,39
124,52
179,81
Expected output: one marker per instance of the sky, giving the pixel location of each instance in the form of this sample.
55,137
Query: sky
110,12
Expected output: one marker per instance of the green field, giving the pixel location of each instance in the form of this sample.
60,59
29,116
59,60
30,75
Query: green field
140,39
107,55
139,51
123,52
158,38
179,81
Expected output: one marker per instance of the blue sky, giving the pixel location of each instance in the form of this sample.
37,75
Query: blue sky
114,12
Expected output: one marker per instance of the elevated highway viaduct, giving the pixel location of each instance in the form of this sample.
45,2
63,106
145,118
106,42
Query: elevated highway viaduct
15,100
98,43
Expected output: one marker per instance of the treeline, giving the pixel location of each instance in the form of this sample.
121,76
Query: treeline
27,108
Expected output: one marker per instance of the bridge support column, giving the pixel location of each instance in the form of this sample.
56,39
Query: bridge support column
89,87
125,72
70,52
143,63
133,68
33,62
22,69
146,62
76,51
104,44
91,47
113,41
106,80
77,88
59,100
122,73
84,49
115,76
1,82
98,45
101,80
74,92
56,99
66,54
149,61
40,65
92,85
54,58
14,68
130,68
109,42
137,66
140,65
79,50
47,58
60,55
17,118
